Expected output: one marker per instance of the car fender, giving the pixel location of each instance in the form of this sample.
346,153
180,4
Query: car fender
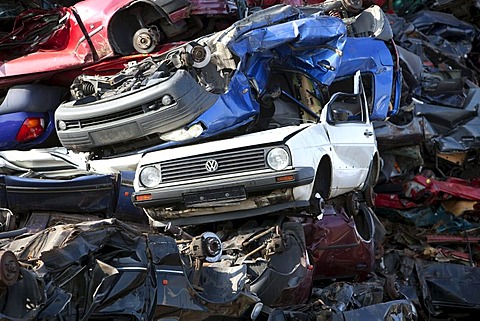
307,148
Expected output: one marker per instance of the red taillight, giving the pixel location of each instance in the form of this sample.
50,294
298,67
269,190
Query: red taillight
31,128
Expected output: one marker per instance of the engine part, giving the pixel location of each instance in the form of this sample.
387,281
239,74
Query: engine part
207,246
145,40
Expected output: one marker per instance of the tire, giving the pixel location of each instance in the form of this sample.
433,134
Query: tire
352,204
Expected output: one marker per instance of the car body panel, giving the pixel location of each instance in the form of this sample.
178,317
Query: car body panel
340,247
55,180
89,31
261,138
349,155
90,193
28,101
370,56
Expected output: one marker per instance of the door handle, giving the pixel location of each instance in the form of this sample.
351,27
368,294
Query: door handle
368,133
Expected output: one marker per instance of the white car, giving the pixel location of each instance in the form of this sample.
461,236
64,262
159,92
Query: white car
309,152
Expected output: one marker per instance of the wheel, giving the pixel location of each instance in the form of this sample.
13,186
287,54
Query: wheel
352,203
144,40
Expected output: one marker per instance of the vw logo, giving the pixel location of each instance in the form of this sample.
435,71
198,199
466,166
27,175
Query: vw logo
211,165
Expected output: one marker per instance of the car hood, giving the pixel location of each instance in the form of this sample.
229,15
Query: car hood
277,135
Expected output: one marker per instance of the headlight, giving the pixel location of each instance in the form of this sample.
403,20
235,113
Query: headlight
278,159
182,134
62,125
150,176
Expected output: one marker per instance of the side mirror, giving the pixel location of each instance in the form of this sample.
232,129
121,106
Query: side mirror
340,115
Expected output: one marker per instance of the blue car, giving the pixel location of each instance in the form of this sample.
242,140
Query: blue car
221,84
27,115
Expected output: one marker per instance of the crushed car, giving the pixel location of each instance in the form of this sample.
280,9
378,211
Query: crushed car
41,186
45,41
223,84
27,115
298,163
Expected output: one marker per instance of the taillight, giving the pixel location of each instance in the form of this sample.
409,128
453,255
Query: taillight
31,128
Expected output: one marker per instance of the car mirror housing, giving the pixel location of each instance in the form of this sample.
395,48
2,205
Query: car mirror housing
340,115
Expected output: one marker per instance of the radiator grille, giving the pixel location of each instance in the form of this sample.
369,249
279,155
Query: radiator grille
228,163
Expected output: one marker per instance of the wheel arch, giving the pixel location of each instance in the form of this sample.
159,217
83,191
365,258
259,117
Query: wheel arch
128,20
323,178
373,171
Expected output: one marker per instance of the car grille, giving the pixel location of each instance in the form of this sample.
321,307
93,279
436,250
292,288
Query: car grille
75,124
228,163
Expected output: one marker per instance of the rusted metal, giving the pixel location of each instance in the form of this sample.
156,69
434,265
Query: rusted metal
439,239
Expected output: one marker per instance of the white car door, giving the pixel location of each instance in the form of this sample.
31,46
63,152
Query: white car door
351,134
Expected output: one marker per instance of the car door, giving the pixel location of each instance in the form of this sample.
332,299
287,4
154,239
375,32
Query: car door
352,138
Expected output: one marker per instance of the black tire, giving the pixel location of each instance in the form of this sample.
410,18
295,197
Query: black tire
352,204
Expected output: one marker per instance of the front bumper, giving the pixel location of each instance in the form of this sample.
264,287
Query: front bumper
132,115
257,184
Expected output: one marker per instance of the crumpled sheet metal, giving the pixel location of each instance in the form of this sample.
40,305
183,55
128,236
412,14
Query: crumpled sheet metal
447,32
391,136
339,248
428,216
421,190
345,296
462,138
74,270
393,310
281,35
262,40
430,189
446,285
443,43
103,269
221,290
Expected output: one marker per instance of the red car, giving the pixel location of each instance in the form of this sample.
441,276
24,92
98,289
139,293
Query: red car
43,42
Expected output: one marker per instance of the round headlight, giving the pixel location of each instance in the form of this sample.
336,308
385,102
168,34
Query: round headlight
277,159
150,176
167,100
62,125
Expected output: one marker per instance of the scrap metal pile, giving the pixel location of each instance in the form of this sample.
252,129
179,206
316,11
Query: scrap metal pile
239,160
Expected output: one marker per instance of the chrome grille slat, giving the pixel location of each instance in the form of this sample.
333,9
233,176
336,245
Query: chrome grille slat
225,162
176,177
193,167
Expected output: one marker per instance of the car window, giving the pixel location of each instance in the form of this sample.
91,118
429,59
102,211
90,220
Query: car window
347,104
347,108
345,84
